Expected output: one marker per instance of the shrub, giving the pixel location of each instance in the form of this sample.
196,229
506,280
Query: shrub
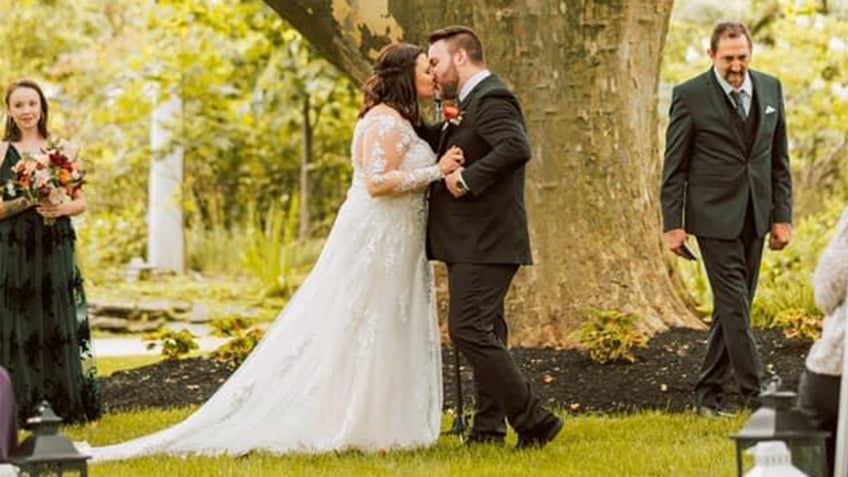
799,323
243,334
271,248
786,277
175,344
611,335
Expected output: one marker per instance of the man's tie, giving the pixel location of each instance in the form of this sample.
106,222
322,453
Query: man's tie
739,103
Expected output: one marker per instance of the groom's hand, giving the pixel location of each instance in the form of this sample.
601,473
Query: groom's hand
452,181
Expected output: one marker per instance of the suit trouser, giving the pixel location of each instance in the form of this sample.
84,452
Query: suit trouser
478,329
732,268
818,401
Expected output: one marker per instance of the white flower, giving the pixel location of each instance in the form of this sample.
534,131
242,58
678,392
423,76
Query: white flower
57,195
836,45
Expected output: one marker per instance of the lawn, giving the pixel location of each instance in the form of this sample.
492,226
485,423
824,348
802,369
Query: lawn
641,445
645,445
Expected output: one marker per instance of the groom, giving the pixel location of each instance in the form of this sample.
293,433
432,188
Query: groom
478,227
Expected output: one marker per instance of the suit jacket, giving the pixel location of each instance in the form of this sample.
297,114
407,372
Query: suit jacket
712,170
488,225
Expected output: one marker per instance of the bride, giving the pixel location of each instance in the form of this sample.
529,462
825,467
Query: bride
353,361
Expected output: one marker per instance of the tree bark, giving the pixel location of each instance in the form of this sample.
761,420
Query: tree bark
306,160
587,74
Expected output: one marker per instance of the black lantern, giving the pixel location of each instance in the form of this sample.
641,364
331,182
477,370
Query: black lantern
47,451
777,420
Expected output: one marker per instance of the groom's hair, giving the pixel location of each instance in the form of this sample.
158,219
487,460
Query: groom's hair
461,37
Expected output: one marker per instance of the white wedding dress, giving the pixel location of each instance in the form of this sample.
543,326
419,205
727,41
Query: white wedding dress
354,360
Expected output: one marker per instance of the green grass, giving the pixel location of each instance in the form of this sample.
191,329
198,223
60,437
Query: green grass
644,445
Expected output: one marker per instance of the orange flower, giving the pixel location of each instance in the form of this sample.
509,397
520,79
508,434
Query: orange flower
64,177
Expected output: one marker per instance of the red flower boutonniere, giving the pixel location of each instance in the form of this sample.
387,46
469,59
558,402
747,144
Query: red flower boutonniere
451,113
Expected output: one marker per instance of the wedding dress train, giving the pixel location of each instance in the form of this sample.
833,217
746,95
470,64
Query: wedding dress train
353,361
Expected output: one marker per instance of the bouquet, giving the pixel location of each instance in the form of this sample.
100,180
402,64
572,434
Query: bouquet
52,176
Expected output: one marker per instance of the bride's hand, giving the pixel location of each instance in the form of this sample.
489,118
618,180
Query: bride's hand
451,160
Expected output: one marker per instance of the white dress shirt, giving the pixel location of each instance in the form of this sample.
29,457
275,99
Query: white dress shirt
747,90
469,85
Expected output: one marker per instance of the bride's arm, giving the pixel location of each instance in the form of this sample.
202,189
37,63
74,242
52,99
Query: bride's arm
385,144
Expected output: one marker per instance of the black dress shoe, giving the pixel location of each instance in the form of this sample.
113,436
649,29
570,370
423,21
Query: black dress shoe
481,438
540,434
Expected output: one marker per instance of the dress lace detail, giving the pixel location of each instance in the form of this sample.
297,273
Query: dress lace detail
830,284
354,360
386,140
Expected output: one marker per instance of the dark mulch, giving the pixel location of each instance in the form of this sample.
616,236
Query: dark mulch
662,378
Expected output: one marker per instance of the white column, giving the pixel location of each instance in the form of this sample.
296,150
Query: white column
165,236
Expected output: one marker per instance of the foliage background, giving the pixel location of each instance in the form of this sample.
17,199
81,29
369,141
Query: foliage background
243,75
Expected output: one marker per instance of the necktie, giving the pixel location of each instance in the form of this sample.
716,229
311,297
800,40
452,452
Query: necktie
739,103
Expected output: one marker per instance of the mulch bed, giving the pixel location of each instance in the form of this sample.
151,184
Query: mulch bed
662,378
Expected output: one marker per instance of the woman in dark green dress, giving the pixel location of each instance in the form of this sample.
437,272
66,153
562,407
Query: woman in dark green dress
45,341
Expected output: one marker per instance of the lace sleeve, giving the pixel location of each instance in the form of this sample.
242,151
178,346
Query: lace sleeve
831,276
386,142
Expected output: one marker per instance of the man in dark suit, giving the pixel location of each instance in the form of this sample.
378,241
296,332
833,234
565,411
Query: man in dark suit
478,227
726,181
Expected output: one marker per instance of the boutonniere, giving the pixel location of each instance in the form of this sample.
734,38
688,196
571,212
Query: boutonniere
451,114
770,110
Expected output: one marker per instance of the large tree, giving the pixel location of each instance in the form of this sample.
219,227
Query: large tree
587,75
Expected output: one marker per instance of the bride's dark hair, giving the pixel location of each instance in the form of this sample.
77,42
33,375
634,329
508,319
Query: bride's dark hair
393,81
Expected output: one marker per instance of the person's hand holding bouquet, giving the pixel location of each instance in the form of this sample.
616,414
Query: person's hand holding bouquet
51,179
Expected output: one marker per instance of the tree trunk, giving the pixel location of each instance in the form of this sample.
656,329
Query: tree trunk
306,159
587,75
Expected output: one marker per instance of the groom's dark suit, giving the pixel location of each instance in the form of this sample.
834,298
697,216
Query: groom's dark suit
482,237
726,180
488,225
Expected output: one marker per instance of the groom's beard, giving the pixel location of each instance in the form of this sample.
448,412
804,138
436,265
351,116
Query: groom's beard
449,88
447,92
